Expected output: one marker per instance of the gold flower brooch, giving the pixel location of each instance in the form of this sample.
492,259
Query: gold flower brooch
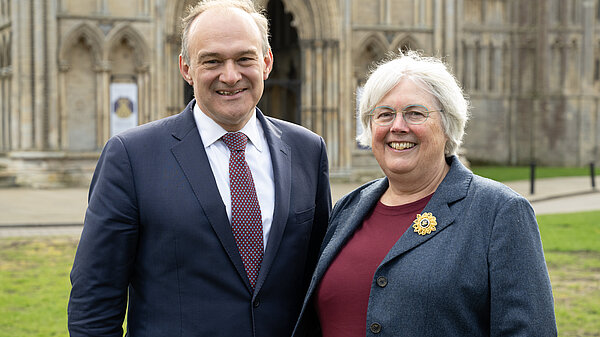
424,223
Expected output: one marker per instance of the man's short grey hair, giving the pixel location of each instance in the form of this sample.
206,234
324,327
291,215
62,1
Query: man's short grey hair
432,75
203,5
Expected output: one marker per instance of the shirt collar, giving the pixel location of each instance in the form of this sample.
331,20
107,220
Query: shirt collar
210,131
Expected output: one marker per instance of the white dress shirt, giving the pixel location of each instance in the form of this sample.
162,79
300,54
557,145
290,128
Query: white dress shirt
258,158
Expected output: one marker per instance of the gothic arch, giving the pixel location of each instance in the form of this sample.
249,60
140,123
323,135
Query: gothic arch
376,40
90,35
371,49
313,19
79,94
133,39
175,10
317,23
404,42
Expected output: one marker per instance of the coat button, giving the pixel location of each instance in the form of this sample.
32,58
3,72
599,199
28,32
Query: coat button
256,303
382,281
375,328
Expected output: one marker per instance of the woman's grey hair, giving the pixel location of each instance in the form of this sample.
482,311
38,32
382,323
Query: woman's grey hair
246,5
432,75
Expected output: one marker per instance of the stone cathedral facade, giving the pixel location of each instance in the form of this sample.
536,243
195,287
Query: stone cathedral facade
75,72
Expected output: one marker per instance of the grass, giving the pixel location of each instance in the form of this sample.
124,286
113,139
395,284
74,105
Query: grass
35,286
512,173
572,249
34,275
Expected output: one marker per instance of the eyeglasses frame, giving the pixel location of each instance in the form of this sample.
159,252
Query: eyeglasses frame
403,111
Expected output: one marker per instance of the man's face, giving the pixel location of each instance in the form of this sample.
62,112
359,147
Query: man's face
227,66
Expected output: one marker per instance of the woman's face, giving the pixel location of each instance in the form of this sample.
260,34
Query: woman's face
408,149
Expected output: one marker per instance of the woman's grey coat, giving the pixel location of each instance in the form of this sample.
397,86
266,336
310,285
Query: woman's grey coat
480,273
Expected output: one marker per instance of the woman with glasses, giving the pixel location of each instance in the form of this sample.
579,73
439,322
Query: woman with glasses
430,249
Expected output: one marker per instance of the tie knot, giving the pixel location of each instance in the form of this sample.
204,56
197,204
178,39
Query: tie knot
235,141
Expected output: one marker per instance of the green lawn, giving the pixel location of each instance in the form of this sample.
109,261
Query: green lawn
34,274
511,173
572,248
34,286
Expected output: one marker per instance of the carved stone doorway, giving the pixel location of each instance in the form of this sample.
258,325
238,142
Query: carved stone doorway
281,98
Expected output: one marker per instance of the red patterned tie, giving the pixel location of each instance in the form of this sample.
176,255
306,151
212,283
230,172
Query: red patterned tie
246,220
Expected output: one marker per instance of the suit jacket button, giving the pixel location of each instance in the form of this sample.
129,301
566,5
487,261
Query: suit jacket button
256,303
382,281
375,328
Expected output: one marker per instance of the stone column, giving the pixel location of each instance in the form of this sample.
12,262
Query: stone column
317,85
589,138
62,106
438,28
144,96
5,93
497,73
588,25
40,83
51,76
174,81
23,121
331,100
306,109
320,93
346,95
453,15
102,103
468,65
483,71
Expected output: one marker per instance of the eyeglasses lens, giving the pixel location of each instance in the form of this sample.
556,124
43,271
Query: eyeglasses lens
414,114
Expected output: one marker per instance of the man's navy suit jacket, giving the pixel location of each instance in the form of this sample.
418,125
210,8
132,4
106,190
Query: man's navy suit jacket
157,240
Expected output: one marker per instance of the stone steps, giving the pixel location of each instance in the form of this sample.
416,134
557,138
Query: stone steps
7,178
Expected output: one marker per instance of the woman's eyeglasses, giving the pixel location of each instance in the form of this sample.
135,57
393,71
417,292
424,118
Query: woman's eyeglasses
412,114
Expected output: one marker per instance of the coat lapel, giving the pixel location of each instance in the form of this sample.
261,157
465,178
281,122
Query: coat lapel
281,157
453,188
189,153
344,224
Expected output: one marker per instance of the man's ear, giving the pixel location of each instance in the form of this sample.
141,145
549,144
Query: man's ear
184,69
268,59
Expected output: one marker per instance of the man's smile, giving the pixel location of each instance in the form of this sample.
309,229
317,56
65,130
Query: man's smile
229,93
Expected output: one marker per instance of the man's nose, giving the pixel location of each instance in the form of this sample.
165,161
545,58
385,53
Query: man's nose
230,74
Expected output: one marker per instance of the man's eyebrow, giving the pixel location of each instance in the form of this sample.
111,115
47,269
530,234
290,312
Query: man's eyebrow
202,55
208,54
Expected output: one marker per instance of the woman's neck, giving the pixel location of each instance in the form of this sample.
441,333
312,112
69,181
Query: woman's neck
410,187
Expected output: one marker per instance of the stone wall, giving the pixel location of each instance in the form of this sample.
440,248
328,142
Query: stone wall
531,68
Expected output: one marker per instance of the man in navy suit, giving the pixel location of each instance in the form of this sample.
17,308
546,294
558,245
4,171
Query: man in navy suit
157,240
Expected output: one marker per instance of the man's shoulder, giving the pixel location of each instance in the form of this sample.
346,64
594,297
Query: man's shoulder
292,129
164,126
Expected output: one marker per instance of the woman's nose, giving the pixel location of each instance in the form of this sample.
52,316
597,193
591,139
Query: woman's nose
399,124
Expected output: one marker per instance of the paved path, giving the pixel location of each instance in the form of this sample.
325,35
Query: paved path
27,212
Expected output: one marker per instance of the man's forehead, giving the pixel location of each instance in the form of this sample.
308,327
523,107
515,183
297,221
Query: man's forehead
222,25
224,14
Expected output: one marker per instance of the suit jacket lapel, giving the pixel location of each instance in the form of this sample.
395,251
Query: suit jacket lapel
281,157
453,188
192,158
